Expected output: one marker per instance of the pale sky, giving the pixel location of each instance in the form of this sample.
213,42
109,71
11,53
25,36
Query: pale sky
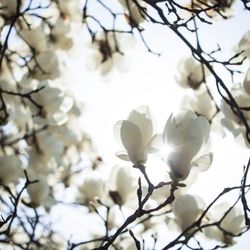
151,81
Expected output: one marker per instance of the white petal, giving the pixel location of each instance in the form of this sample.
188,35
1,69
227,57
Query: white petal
121,62
141,118
106,67
66,104
203,162
169,128
179,164
156,143
58,119
186,134
131,136
186,210
123,156
117,131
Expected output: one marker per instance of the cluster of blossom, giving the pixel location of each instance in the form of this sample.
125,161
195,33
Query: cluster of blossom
183,149
135,11
41,137
194,75
107,52
108,45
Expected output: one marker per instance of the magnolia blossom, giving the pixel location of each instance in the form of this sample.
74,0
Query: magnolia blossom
186,209
232,223
46,66
135,14
200,103
55,105
244,44
39,163
123,184
10,168
105,55
243,100
70,132
49,145
115,218
61,34
38,191
28,82
34,36
135,134
190,74
70,9
184,137
231,120
93,187
21,115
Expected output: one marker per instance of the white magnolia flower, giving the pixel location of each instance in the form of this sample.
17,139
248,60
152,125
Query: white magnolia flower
200,103
104,54
93,187
21,115
40,163
70,9
38,191
115,218
55,105
46,66
123,184
10,168
34,36
49,145
186,209
135,14
190,74
232,121
244,44
135,134
184,137
61,34
231,223
70,132
28,82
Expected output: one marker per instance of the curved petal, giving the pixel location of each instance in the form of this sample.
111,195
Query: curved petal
66,104
169,129
155,144
204,128
142,119
179,165
186,134
117,131
106,67
203,162
122,155
131,137
58,118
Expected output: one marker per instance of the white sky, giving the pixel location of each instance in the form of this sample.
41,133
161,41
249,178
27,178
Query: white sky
151,81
